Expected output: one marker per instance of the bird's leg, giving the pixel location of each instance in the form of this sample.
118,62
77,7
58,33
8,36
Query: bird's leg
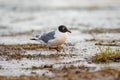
56,48
59,47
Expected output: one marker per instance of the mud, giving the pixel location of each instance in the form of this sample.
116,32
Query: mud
18,51
64,72
102,30
74,74
93,24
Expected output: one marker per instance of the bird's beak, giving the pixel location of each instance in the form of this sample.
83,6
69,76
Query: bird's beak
68,31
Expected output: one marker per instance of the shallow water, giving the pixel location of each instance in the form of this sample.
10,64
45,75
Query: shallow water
25,19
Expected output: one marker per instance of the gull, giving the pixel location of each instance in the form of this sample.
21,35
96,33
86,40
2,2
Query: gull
54,38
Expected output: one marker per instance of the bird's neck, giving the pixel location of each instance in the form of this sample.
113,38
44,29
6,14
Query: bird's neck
58,33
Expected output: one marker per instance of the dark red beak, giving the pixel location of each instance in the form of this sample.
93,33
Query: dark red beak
68,31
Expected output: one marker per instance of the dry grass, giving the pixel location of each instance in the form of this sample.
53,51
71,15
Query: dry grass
107,55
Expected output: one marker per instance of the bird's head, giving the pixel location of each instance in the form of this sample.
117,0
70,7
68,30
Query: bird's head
63,29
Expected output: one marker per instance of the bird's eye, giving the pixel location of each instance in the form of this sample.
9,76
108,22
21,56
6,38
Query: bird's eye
63,28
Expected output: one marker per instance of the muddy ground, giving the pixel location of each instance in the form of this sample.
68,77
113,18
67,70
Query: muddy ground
35,61
95,26
65,70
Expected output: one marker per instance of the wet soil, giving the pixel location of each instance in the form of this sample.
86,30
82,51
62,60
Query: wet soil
93,24
102,30
72,73
65,72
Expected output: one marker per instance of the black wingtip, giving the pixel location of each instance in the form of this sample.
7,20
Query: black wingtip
33,39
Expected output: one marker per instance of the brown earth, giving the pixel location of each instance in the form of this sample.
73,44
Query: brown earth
72,73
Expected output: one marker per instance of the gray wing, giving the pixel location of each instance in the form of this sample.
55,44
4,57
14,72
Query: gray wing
47,36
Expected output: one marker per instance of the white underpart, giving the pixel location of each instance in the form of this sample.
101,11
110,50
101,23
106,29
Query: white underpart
60,38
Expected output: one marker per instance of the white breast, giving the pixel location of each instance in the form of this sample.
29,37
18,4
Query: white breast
60,38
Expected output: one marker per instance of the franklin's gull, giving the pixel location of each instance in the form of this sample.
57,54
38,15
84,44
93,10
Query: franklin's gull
54,38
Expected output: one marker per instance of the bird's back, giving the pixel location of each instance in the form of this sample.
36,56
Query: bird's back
47,36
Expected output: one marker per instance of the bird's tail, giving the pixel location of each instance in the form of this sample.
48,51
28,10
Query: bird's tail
35,38
38,37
